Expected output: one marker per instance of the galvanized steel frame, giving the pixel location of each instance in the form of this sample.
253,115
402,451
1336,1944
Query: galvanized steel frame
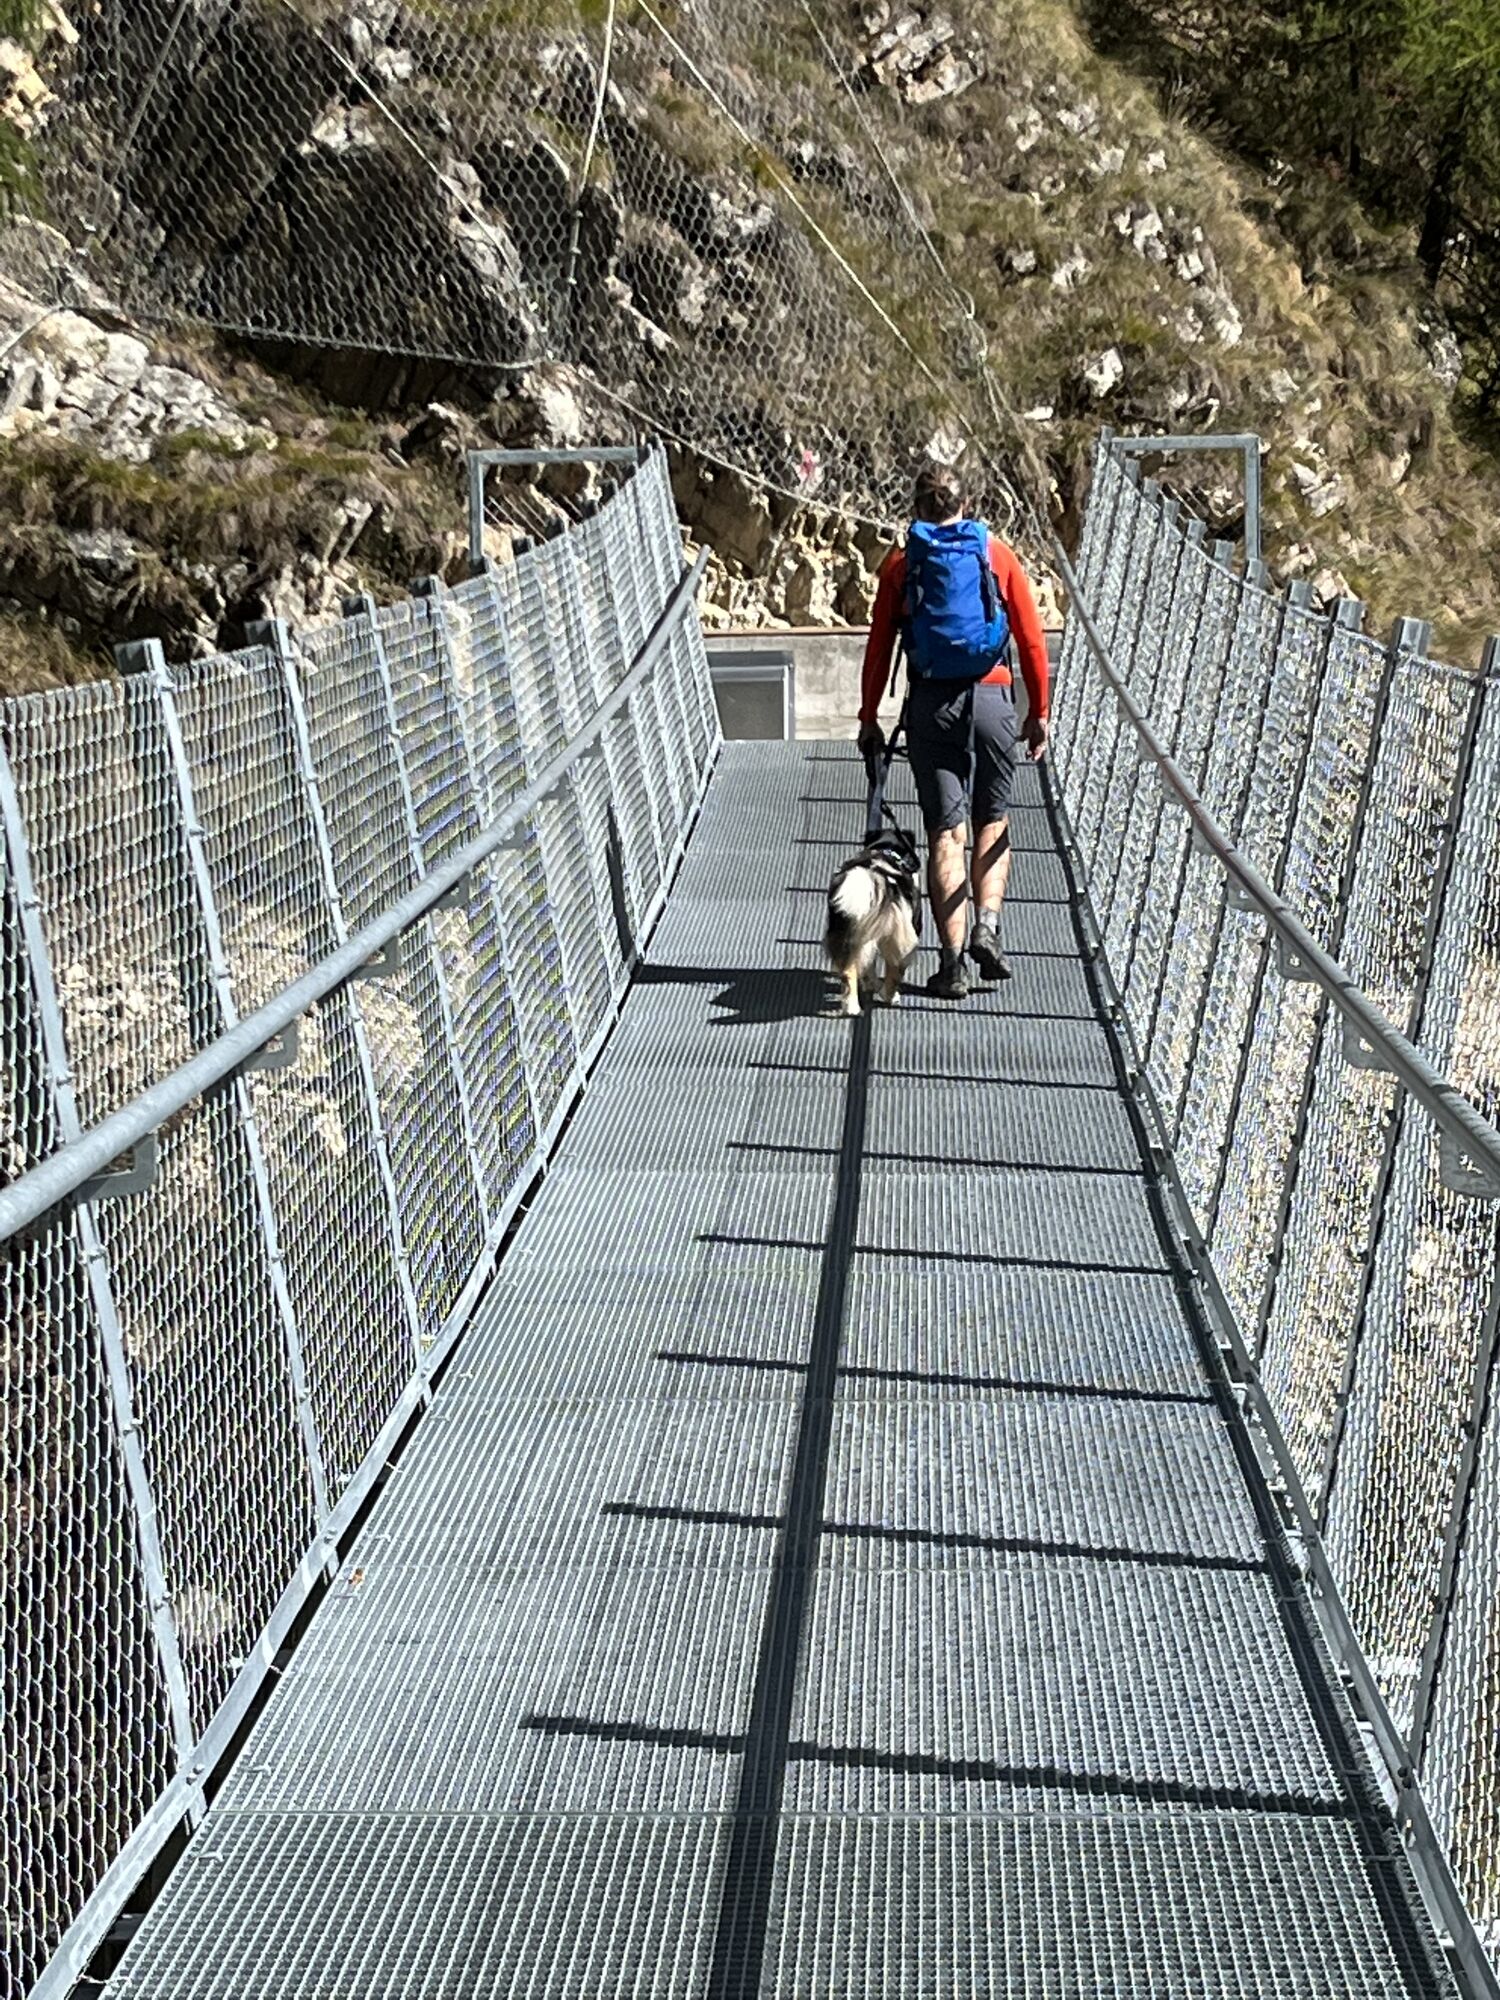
1246,445
479,463
84,1170
1470,1147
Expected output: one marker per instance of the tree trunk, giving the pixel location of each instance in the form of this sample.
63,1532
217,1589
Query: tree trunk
1437,215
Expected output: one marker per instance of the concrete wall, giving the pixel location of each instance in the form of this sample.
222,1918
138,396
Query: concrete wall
827,669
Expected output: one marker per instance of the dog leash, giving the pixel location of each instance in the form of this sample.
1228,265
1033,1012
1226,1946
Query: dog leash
878,769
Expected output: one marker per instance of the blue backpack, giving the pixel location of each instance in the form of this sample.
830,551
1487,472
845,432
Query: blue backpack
954,622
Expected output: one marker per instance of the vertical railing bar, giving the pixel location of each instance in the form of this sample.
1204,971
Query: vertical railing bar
1401,1109
478,471
529,1061
1256,579
1348,616
1142,782
688,771
1091,688
1220,555
100,1283
611,602
359,607
154,659
1150,520
1128,774
1435,1649
275,635
1155,812
576,632
430,590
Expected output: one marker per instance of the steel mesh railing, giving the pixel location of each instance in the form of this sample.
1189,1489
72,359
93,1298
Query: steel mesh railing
1346,1230
213,1346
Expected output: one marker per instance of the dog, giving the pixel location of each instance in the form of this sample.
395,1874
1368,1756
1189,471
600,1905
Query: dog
872,910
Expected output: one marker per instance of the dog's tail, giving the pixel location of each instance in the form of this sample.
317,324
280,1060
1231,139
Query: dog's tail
855,896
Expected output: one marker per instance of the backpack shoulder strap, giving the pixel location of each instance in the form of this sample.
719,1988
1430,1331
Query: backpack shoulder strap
989,583
917,546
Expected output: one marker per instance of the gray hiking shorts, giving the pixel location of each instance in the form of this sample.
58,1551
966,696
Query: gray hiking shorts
962,746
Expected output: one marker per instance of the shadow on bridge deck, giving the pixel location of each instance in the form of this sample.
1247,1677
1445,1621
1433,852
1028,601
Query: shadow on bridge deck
830,1567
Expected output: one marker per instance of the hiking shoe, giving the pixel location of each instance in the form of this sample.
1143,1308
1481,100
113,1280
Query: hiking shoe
984,949
951,981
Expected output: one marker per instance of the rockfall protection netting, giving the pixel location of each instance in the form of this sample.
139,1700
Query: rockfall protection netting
689,202
204,1377
1363,781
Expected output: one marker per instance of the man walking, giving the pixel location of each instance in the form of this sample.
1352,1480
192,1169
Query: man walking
957,594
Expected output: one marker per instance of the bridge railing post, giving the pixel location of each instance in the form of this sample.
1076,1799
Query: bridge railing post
1400,1474
1228,768
1092,802
1173,855
102,1549
1078,690
1178,603
1278,1014
1129,781
277,639
362,613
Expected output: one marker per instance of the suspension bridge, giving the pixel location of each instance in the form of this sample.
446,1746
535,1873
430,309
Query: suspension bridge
578,1472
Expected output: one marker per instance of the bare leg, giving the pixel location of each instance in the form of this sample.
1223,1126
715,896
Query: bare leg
991,869
947,885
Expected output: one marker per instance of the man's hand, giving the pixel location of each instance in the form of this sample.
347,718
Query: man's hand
871,744
1034,735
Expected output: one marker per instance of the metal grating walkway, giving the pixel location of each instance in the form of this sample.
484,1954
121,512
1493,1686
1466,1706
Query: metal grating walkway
828,1568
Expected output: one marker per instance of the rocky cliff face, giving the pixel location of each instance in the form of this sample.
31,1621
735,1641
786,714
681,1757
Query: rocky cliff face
808,251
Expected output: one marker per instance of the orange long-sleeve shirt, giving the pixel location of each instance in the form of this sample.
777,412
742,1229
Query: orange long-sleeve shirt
1020,608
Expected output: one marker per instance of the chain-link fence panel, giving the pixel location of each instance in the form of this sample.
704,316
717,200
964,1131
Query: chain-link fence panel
534,622
413,641
1238,717
406,1019
663,540
205,1339
513,187
86,1729
1075,689
637,828
1364,783
1114,502
1308,797
1098,803
589,835
1343,671
1395,1489
314,1115
1279,784
1205,646
1173,611
1312,1237
1129,784
541,988
210,1358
